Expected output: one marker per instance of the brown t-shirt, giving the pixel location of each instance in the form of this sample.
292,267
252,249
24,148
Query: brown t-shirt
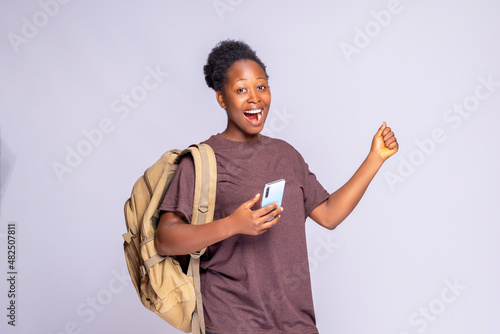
255,284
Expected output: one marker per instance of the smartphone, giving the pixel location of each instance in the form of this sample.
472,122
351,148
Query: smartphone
273,192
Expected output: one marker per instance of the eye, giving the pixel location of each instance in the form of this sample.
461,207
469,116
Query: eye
261,87
241,90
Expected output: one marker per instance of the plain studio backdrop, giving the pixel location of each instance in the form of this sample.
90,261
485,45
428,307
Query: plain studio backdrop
92,93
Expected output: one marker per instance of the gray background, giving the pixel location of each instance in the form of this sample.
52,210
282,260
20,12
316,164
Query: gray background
428,221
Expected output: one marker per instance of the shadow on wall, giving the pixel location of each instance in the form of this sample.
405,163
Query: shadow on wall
7,160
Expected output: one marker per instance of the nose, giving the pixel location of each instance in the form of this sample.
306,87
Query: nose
253,96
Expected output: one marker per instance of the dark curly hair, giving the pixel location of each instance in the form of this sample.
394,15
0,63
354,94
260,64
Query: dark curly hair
222,56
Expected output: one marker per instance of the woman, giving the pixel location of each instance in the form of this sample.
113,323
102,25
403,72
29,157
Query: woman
254,274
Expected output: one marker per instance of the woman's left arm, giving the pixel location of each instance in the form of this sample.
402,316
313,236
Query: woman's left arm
340,204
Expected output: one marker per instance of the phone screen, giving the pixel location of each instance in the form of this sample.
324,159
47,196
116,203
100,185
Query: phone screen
273,192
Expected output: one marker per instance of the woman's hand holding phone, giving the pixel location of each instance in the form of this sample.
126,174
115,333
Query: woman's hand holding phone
246,221
273,192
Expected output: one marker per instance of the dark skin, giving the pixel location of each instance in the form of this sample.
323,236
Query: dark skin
247,90
245,95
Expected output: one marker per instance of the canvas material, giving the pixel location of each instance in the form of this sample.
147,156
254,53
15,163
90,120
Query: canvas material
162,285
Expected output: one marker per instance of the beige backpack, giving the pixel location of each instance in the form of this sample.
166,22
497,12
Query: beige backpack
169,286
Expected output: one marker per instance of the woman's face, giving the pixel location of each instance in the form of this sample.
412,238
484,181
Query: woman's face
246,98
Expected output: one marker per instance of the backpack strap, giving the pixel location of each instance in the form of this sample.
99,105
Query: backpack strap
205,166
203,212
198,320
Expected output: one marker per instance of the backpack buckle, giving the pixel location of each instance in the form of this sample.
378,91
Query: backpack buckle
203,207
127,236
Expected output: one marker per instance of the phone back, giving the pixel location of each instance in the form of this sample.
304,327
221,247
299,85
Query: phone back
273,192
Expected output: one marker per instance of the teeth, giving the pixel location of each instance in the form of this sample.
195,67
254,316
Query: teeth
259,115
256,111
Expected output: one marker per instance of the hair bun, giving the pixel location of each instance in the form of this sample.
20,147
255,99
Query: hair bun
222,56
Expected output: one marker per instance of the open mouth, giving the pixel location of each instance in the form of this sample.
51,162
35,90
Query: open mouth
253,115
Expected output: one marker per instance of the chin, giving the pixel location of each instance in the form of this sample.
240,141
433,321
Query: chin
255,132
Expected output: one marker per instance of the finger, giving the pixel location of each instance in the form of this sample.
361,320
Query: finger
251,202
264,210
389,141
393,146
270,223
388,135
386,131
272,214
381,129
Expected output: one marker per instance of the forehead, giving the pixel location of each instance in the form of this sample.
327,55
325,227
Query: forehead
245,69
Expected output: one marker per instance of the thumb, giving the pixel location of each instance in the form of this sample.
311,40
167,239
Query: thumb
248,204
381,129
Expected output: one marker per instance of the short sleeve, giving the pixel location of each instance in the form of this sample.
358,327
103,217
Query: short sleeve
179,196
314,192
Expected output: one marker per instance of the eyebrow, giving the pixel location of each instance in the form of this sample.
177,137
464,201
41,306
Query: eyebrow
247,79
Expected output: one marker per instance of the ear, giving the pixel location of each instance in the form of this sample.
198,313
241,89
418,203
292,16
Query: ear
220,98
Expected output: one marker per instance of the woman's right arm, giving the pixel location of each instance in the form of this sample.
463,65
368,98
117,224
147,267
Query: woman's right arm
176,237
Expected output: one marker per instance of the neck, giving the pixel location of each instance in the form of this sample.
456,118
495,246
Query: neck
241,137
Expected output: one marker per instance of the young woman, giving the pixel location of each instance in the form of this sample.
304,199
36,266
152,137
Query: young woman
255,274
